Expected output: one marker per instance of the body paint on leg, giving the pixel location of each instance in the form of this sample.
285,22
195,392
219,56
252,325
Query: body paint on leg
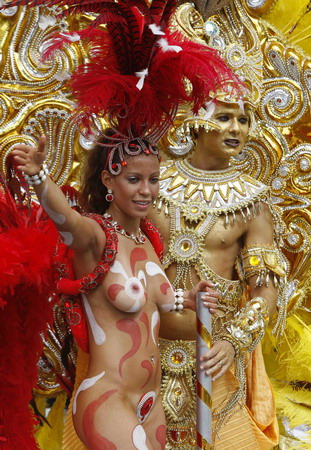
96,441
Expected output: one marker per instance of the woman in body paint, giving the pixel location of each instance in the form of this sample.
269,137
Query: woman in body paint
121,285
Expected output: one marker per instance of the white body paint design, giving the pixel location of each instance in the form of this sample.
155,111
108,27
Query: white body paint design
57,218
142,276
139,438
152,270
86,384
167,307
133,287
98,333
154,320
67,236
117,267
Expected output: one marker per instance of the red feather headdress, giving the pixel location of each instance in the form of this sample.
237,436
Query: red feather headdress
138,73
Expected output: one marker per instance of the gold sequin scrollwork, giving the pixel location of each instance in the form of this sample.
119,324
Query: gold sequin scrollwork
35,99
56,371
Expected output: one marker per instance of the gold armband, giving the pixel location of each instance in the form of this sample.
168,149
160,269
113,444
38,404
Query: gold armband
264,262
267,262
248,325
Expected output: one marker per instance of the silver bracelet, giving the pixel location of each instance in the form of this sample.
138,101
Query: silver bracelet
39,177
179,300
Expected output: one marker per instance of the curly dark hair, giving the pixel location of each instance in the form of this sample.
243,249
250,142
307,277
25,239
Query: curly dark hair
93,192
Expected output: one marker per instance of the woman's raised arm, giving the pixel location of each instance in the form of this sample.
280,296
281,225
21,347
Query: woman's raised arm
79,232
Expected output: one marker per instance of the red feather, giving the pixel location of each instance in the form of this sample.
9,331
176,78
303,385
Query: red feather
27,242
108,84
100,89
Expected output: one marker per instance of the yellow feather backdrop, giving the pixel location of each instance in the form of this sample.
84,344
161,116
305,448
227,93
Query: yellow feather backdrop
293,19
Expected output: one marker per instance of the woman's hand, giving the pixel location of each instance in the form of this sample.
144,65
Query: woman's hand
209,299
218,359
28,158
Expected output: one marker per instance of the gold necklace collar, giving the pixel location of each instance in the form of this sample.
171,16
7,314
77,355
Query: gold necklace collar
219,191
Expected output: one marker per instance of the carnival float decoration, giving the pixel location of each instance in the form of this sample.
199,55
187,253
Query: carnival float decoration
272,40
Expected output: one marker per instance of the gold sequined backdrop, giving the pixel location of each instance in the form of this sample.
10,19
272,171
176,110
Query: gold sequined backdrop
35,101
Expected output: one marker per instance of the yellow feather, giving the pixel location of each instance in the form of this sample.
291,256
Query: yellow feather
289,358
292,18
295,405
50,437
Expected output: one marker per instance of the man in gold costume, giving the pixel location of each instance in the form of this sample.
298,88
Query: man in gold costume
218,224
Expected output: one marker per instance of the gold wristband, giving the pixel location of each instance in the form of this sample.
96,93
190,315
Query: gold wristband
248,326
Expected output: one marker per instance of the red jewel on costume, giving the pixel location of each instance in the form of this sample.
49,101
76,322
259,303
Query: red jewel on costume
124,163
144,406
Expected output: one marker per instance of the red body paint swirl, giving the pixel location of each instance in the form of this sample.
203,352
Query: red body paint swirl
132,328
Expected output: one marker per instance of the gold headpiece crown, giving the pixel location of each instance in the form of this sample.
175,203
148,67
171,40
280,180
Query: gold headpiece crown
238,45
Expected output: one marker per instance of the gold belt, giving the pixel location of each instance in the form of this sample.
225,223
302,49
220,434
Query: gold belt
178,364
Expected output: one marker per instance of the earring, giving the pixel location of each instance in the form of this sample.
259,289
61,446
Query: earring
109,196
181,142
181,148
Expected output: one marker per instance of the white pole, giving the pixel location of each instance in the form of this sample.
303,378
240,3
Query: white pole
204,382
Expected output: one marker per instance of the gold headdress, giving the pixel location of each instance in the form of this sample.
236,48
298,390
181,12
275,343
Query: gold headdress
239,46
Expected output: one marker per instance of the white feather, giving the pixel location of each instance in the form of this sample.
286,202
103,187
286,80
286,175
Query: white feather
46,21
168,48
209,109
141,75
74,37
156,29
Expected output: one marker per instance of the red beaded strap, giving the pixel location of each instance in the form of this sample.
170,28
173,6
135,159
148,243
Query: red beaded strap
154,237
71,288
63,263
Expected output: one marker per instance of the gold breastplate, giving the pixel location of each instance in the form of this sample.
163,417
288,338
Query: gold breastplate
194,200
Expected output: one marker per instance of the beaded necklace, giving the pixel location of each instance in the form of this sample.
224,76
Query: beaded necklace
141,239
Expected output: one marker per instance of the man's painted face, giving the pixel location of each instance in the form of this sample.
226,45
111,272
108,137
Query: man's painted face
234,127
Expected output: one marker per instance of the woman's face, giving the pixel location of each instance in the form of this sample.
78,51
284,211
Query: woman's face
234,127
136,187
